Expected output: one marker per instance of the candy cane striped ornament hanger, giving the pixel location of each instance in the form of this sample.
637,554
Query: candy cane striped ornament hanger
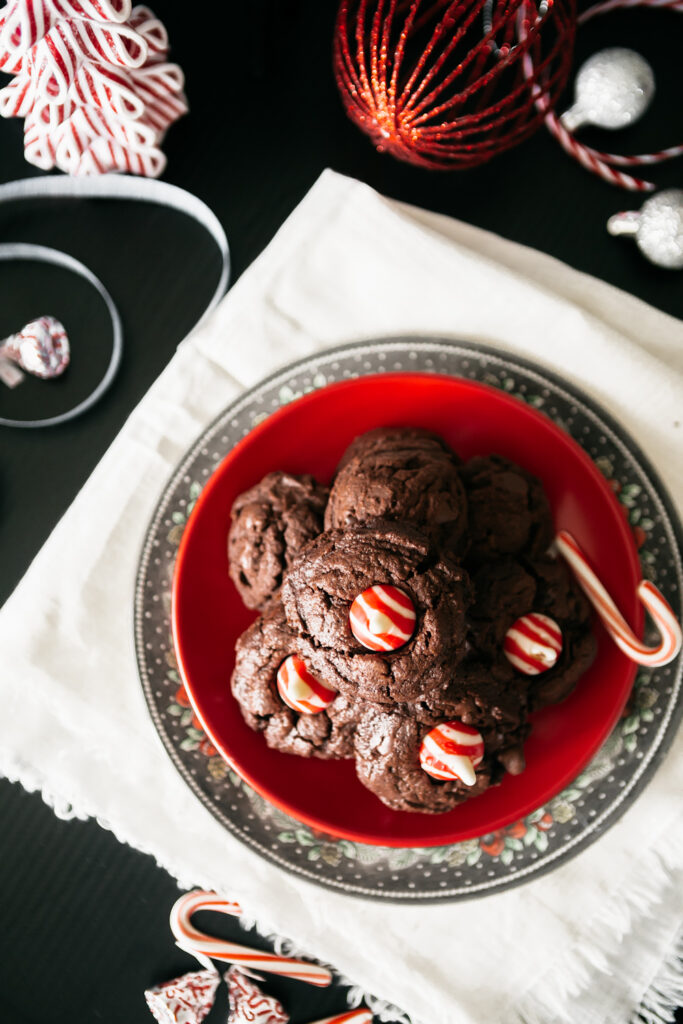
605,165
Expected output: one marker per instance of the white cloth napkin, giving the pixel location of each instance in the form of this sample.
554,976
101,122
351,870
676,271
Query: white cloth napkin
583,943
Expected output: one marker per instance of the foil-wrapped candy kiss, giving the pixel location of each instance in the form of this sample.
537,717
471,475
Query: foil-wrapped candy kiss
40,348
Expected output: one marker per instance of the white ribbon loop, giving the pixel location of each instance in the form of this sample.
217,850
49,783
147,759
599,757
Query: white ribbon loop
105,187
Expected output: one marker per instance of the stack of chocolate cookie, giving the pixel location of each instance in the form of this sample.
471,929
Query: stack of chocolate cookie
415,594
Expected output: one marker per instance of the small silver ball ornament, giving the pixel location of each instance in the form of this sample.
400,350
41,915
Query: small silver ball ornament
657,228
612,90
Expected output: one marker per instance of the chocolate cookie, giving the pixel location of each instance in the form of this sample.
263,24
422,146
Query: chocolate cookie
259,653
387,746
506,590
507,508
559,596
335,568
270,523
400,475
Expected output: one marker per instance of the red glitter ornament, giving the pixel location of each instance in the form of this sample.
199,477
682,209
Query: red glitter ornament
442,83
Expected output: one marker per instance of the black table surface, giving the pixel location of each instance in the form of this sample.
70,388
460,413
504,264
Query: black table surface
86,917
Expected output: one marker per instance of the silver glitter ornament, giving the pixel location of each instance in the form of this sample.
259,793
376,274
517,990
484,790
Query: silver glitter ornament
657,228
613,88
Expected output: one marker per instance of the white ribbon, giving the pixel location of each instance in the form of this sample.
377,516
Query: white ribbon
108,186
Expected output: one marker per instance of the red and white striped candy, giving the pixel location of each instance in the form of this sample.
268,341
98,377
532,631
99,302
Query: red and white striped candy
382,618
204,946
249,1005
55,58
106,87
40,348
452,750
98,10
668,626
187,999
18,97
533,643
152,31
105,155
78,132
299,688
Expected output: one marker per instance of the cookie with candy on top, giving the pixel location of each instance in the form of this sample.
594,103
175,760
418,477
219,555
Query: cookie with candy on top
322,593
390,761
263,671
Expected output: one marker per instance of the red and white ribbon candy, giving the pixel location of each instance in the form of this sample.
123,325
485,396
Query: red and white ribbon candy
152,30
249,1005
671,637
22,23
382,618
185,1000
18,96
452,750
201,945
108,88
98,10
40,348
105,155
533,643
299,688
78,132
55,58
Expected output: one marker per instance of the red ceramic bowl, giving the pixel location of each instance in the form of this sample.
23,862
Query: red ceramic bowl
309,436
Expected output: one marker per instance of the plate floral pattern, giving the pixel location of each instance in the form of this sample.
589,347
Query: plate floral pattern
489,863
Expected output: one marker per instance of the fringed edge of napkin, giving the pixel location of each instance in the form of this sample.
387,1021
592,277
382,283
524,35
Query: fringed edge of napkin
665,994
552,1001
63,808
554,995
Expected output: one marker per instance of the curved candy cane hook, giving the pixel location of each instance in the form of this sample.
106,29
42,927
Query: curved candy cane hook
668,626
203,946
359,1016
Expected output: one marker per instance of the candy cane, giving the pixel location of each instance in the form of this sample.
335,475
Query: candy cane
360,1016
669,629
202,945
593,159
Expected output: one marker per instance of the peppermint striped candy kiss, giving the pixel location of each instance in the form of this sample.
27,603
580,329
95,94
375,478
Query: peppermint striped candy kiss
533,643
382,618
300,690
452,750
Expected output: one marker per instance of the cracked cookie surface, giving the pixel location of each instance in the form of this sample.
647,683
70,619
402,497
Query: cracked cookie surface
400,475
270,523
339,565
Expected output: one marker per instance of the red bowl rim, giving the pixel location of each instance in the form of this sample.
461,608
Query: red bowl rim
338,832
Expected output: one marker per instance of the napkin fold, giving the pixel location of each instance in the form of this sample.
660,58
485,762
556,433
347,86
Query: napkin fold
587,942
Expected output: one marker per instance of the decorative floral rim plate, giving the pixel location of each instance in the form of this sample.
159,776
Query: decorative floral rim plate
551,834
